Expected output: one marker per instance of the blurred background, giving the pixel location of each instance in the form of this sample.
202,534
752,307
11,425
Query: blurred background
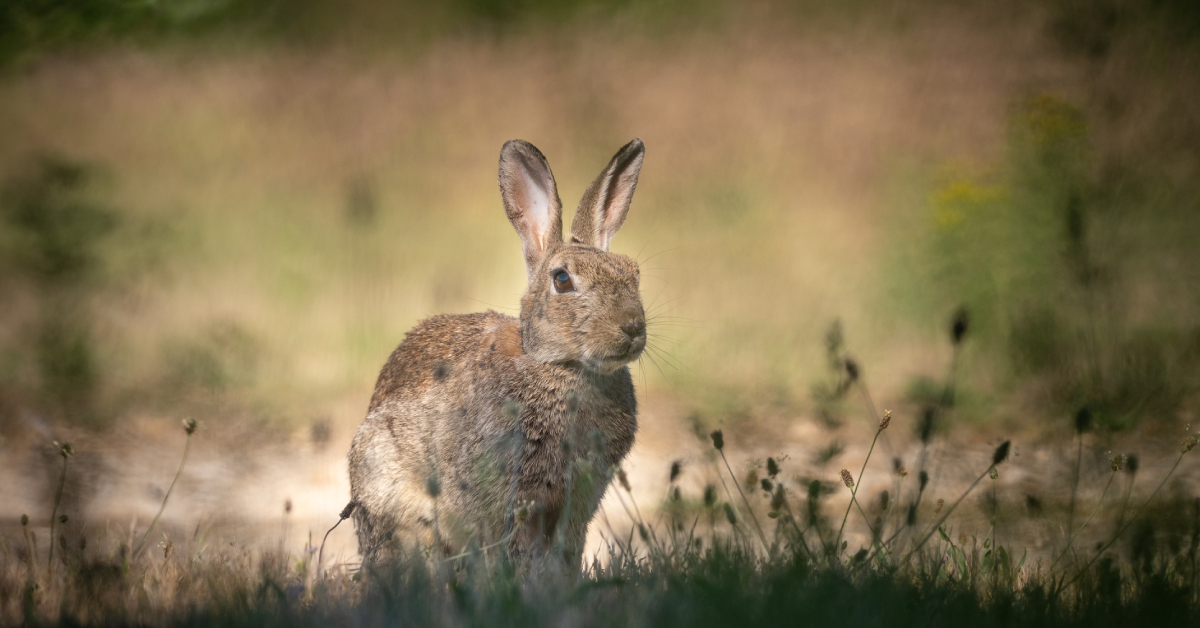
233,210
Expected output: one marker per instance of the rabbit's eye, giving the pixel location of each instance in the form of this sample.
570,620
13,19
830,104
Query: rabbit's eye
562,282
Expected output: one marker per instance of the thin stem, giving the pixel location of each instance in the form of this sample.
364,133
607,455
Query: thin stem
854,490
995,550
62,481
485,548
762,537
858,505
1132,519
949,510
29,552
1075,484
799,533
1085,521
187,444
938,410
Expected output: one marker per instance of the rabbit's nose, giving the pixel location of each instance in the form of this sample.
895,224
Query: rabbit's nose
633,329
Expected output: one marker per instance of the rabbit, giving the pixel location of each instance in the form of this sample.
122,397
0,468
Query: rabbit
486,430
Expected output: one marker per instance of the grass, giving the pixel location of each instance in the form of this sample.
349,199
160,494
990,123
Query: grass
666,574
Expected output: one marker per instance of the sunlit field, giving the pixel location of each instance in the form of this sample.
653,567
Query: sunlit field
975,223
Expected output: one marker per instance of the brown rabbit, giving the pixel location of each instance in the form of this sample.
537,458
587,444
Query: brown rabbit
493,430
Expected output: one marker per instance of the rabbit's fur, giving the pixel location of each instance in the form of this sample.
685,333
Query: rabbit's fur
493,430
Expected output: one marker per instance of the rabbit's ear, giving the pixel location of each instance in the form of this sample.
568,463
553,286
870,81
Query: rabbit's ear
530,199
606,202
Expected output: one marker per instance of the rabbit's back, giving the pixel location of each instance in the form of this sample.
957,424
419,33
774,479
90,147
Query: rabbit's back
463,427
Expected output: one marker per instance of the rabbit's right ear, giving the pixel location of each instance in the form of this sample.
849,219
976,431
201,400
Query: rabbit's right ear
530,200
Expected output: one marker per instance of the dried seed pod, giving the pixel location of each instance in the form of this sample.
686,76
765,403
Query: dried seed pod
779,499
1117,462
960,325
1131,464
1001,452
1083,420
851,369
847,479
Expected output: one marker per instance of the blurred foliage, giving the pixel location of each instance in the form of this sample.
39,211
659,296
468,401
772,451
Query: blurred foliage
290,202
54,229
1034,246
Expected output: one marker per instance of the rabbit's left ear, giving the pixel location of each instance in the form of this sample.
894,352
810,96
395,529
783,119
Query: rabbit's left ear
605,204
530,200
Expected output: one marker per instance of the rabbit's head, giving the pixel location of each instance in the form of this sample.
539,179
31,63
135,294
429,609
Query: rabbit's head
582,304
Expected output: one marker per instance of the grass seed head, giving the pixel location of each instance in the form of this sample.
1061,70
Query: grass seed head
993,473
851,369
189,426
1188,444
772,467
751,479
64,449
923,479
766,485
884,499
675,496
1001,453
779,499
1117,462
348,510
718,439
1131,464
710,495
24,520
847,479
886,420
926,425
676,467
623,479
730,514
938,508
959,325
287,506
1083,420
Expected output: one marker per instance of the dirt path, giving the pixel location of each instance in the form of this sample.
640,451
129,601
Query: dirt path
241,478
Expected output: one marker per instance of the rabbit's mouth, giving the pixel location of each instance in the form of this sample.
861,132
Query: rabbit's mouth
632,352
